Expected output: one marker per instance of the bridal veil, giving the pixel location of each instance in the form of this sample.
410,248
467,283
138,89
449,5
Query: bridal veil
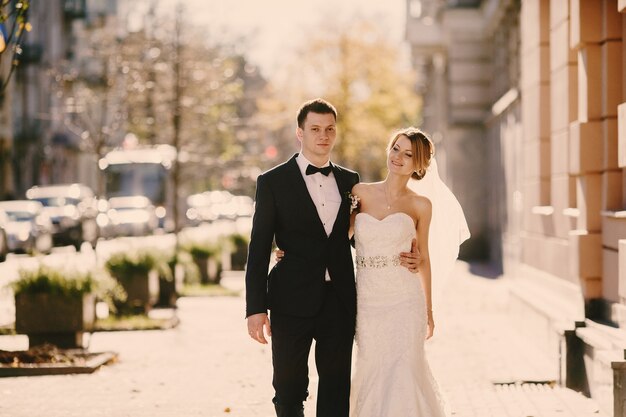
448,228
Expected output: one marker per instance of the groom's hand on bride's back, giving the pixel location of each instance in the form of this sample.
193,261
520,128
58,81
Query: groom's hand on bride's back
411,260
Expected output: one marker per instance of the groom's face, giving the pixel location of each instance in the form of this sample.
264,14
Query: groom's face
317,136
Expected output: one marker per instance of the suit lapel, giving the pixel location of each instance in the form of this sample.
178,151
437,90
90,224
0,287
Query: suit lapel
302,192
341,182
344,189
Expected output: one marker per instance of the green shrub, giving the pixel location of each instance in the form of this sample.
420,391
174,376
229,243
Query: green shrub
69,283
127,264
110,291
239,240
238,248
191,273
48,280
165,263
201,250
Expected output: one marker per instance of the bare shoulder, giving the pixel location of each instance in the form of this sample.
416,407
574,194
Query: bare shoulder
357,188
422,204
362,188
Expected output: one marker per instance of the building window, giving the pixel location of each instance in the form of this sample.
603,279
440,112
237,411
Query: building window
75,9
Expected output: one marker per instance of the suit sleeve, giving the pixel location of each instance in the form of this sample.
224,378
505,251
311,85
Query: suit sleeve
263,227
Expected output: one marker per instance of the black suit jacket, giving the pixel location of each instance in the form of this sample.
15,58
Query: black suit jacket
285,212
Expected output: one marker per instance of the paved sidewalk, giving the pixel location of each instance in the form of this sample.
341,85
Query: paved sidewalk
207,366
485,368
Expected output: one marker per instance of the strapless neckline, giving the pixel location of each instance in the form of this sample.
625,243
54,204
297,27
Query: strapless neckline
388,216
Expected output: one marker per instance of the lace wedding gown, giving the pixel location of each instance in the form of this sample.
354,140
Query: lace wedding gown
392,377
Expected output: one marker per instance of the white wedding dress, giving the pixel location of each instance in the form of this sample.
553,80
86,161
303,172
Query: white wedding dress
392,377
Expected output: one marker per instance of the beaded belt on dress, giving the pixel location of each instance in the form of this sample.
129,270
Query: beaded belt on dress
380,261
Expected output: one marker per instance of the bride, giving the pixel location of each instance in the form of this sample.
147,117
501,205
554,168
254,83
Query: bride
394,307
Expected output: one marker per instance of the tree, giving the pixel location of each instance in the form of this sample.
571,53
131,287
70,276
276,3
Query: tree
13,23
356,67
179,76
166,85
91,92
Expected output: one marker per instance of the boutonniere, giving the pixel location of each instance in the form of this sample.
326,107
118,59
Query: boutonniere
355,201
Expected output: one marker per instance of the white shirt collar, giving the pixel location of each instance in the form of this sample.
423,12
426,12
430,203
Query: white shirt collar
303,163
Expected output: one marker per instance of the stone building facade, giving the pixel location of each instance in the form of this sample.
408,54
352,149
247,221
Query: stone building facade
525,97
37,146
35,108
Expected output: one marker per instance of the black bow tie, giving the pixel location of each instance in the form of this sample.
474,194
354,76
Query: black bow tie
311,169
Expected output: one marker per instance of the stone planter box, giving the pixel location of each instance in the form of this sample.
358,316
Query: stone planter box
168,293
239,257
86,363
215,271
210,270
142,291
203,268
48,318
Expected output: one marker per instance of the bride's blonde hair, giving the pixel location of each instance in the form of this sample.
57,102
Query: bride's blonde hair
422,146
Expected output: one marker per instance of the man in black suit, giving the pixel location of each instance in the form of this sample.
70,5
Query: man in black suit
303,204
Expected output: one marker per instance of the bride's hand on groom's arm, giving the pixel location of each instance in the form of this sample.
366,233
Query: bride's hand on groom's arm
411,260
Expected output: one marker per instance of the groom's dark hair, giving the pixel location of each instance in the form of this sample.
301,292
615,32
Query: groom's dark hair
317,105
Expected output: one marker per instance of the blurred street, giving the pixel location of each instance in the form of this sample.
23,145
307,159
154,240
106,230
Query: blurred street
207,366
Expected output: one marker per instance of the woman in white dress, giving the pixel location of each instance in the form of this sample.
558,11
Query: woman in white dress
394,305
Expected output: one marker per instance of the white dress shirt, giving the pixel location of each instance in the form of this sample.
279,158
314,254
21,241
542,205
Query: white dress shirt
324,193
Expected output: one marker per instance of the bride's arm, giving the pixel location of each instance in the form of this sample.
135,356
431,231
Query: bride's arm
423,225
351,230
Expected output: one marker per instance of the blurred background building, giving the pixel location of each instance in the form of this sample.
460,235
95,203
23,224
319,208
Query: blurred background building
44,145
525,98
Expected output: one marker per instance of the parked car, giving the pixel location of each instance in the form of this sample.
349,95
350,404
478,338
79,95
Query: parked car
73,209
244,205
213,205
28,228
199,209
4,241
131,216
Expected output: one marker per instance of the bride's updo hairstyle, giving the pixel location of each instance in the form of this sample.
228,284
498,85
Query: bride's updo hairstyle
423,149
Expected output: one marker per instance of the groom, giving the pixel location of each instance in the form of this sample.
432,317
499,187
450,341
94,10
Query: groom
303,205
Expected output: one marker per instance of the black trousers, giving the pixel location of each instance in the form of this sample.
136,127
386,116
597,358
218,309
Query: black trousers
333,331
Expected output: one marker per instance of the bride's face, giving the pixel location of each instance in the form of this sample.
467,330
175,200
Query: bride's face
400,157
